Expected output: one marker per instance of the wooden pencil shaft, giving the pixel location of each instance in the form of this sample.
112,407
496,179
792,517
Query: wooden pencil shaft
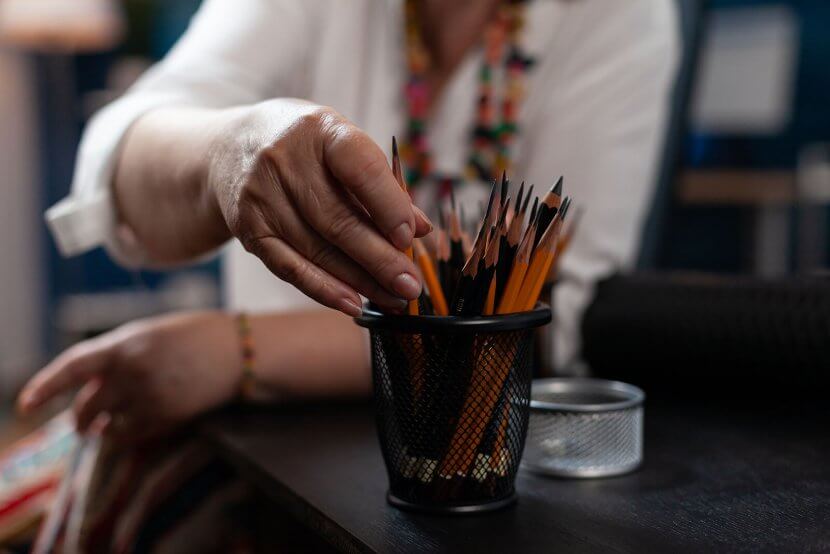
517,273
436,293
490,303
541,263
534,213
548,208
520,197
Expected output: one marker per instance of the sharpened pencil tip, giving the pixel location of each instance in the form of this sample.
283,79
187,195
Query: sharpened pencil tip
490,201
505,184
527,199
557,188
394,147
563,209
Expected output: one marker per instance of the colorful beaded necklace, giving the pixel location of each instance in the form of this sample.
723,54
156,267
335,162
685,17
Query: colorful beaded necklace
492,139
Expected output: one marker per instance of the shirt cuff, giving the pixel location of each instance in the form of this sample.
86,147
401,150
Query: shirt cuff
80,224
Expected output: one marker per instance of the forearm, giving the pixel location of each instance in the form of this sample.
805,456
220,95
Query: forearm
161,185
310,354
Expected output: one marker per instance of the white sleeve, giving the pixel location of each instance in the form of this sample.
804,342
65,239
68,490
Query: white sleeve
606,110
234,52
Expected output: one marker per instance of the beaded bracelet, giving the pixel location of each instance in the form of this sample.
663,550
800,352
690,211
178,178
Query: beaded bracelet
247,381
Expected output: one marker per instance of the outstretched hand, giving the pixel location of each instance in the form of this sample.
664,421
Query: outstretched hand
146,378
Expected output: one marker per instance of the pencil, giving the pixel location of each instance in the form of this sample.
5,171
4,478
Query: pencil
457,254
436,293
519,197
548,207
491,261
541,263
412,307
517,272
490,303
527,199
565,242
510,245
534,212
464,289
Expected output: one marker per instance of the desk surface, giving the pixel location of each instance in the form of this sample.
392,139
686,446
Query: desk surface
715,481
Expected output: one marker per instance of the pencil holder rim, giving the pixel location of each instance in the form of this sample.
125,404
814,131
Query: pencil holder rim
373,319
631,396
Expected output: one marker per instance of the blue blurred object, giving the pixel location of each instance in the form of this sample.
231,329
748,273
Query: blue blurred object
63,81
716,238
172,17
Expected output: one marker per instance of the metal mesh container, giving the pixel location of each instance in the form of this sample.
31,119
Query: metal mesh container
584,428
452,396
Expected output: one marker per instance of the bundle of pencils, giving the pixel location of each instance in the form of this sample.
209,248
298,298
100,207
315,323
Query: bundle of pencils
505,268
450,397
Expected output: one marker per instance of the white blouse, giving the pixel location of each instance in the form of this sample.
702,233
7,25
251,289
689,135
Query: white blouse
596,103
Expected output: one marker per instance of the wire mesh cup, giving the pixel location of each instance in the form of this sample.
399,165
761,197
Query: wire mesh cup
452,397
584,428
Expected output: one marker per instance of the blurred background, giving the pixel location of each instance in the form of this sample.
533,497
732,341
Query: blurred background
743,187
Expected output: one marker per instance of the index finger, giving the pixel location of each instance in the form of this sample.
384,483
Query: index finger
70,369
361,167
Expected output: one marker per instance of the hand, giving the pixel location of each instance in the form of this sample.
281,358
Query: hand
146,377
314,198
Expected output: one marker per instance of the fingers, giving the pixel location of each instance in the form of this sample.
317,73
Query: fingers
70,369
92,400
125,430
289,265
331,259
361,167
423,226
335,217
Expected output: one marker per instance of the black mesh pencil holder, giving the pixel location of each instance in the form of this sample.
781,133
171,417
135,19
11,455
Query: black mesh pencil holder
452,397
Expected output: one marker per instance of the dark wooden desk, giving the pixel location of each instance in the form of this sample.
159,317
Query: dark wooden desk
712,482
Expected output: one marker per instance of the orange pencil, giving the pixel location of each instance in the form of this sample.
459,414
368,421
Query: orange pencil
489,304
412,307
542,262
439,303
565,242
517,272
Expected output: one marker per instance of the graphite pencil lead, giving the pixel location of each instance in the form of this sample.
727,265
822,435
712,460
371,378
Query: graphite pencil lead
397,170
557,188
505,185
519,198
533,212
490,201
563,210
527,199
547,209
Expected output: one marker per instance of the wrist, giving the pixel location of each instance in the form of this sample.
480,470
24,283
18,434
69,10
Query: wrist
229,139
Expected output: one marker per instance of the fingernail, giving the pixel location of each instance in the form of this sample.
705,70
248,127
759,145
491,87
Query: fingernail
407,286
349,307
402,236
419,213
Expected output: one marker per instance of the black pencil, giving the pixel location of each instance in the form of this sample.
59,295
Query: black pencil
548,207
